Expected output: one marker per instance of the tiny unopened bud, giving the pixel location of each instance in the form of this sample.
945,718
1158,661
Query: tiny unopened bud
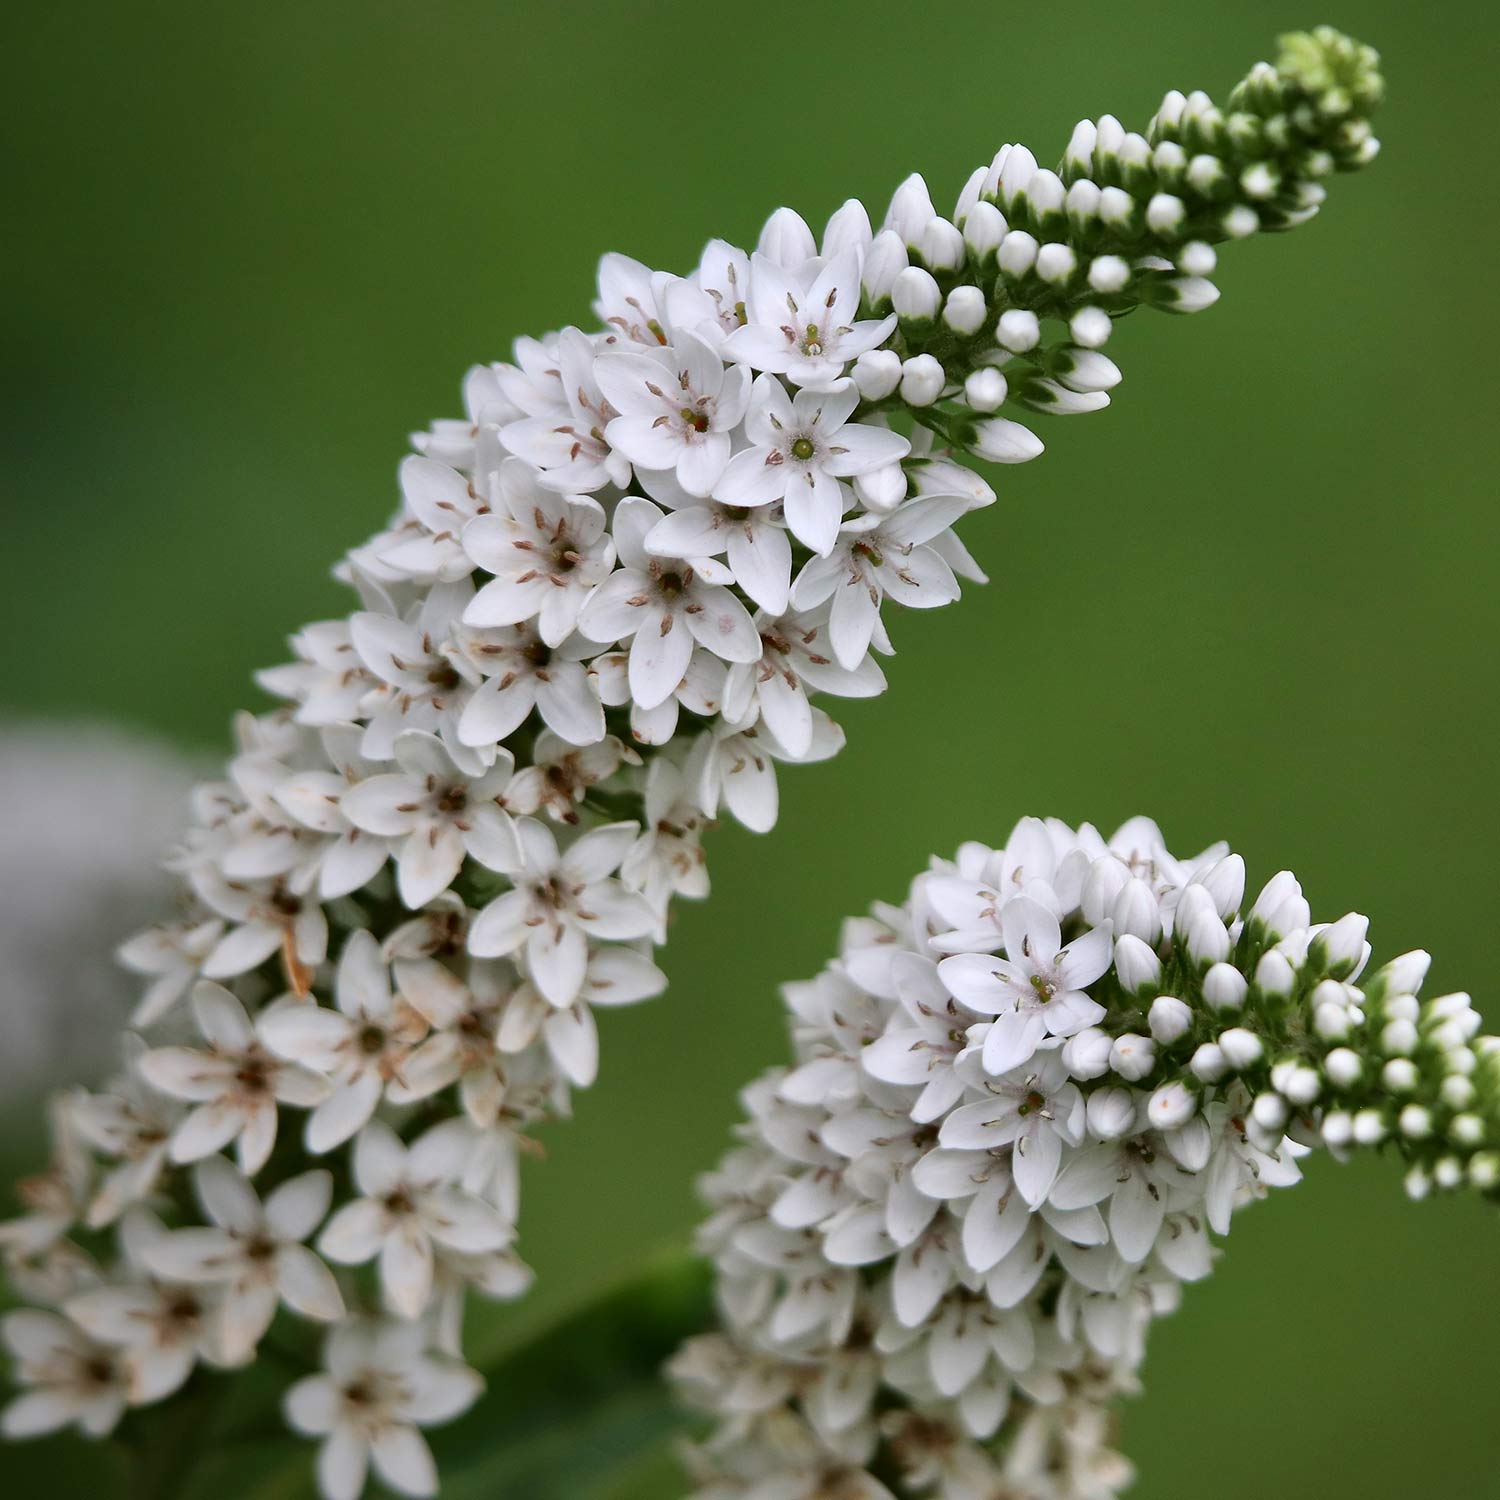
1448,1172
1240,222
1484,1170
985,390
1133,1056
941,245
881,489
1017,253
1208,1064
1417,1184
1241,1047
1106,878
1302,1086
1005,442
922,380
877,373
1369,1127
1109,273
1466,1130
1343,943
1415,1122
1269,1112
884,262
1197,258
983,230
1224,987
1457,1092
1136,911
1136,965
1207,939
1338,1128
1018,330
1111,1113
1331,1022
1086,1055
915,295
1344,1067
1086,370
1171,1106
1402,1008
1400,1075
1055,263
1404,974
1274,974
1091,327
1399,1039
1170,1019
965,311
1165,213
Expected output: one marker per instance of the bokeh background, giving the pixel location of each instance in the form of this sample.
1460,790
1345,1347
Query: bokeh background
250,247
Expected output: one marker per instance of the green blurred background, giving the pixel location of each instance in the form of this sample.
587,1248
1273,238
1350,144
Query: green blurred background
252,246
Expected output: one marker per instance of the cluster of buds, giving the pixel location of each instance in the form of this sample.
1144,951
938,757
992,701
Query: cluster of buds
601,615
1020,1106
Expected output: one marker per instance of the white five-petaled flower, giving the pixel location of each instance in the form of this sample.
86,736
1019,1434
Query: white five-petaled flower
380,1385
410,1206
804,447
442,502
252,1252
66,1377
677,409
802,322
1037,990
1035,1110
522,672
545,550
236,1084
662,606
560,900
360,1047
879,557
439,812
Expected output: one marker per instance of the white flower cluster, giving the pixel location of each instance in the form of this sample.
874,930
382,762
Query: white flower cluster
599,617
1019,1105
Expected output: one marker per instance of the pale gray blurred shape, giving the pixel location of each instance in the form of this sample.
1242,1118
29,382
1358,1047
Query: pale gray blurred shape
87,812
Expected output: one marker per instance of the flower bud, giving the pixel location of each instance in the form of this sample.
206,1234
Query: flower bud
1274,974
1369,1127
1133,1056
1105,879
1404,974
942,245
1344,1067
1018,330
1400,1075
1225,882
1171,1019
1207,940
1448,1172
1016,175
1269,1112
1086,1054
1224,987
1241,1047
1399,1039
1281,905
1331,1022
1055,263
1017,253
911,209
1457,1092
847,229
1240,221
1136,911
1164,214
984,228
1466,1129
881,489
1002,441
922,380
985,390
1415,1122
1417,1184
1091,327
1338,1128
1484,1170
1136,966
1086,370
965,311
1109,273
1191,1144
1343,944
1302,1086
1111,1113
877,373
786,239
886,259
1208,1064
1171,1106
915,296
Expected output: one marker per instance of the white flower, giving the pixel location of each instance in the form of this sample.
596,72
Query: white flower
253,1252
1135,1178
804,447
667,858
677,409
878,558
793,660
438,811
560,775
442,502
545,550
801,320
265,917
753,539
66,1377
560,901
236,1084
522,672
662,606
1036,1110
381,1385
1037,990
171,955
410,1207
130,1123
360,1047
701,692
